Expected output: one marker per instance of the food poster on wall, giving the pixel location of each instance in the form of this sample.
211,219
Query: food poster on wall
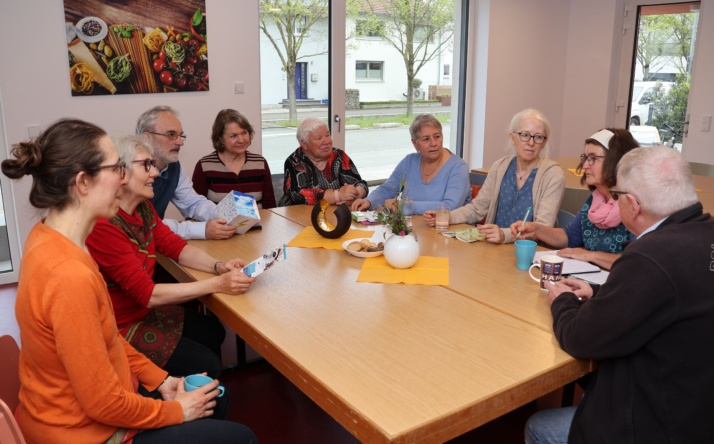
136,46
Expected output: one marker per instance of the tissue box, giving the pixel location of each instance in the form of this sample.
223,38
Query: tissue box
240,210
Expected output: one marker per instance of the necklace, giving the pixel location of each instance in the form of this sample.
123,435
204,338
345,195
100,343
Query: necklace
433,170
525,173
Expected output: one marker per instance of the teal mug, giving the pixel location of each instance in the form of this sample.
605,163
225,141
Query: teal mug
195,381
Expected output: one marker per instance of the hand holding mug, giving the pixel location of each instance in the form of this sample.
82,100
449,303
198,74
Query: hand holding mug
581,289
551,270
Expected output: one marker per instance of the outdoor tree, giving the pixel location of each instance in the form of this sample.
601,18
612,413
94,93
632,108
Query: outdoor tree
665,38
680,28
651,43
418,29
286,24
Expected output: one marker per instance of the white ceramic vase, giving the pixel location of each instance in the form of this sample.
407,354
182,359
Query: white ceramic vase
401,251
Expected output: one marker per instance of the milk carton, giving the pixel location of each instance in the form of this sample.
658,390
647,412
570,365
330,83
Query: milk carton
240,210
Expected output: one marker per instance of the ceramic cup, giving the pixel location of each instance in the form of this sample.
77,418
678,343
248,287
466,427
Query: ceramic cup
551,269
195,381
525,251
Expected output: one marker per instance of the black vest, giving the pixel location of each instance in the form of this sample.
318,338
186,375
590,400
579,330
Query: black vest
164,188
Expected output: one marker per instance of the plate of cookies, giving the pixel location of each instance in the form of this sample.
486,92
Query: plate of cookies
363,247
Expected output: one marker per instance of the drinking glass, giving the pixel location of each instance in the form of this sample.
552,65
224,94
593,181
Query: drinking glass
408,211
442,217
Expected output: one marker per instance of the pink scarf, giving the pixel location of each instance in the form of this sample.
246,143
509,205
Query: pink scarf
604,214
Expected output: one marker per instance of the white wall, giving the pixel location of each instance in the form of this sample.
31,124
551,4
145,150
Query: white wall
526,67
699,146
592,65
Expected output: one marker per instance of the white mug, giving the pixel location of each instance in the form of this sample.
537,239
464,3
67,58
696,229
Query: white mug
551,269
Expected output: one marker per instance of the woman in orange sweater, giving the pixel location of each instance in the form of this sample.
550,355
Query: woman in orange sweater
79,377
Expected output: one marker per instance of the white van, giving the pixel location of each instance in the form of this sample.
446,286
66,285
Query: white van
641,101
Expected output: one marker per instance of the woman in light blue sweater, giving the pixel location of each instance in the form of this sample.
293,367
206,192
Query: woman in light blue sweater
432,175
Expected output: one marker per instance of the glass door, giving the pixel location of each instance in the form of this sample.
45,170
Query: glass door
661,72
294,69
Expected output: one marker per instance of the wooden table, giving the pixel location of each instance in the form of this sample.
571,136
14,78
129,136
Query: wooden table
391,363
499,284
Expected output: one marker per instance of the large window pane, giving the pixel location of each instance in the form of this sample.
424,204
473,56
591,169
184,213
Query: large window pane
375,76
662,72
404,37
294,67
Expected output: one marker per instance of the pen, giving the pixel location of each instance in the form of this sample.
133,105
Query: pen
524,220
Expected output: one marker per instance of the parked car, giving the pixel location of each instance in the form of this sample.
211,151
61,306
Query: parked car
642,101
646,135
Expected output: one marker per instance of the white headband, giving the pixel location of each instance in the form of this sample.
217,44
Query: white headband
603,136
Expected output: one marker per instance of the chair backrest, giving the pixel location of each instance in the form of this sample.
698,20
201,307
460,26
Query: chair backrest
278,181
564,218
10,432
474,191
476,178
9,372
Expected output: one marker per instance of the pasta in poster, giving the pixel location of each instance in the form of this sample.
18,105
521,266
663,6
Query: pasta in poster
136,47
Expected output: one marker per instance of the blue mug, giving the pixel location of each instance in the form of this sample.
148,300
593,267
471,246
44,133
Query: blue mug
195,381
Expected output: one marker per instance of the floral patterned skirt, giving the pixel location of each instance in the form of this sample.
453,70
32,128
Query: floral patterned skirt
158,335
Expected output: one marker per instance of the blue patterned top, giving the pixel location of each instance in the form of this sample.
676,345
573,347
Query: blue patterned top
583,233
512,202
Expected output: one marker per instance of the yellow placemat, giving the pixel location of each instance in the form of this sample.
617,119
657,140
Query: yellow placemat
309,238
427,271
575,171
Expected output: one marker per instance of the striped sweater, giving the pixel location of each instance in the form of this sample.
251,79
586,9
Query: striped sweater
213,179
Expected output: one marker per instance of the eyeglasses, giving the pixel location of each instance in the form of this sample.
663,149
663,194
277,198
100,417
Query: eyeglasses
616,194
589,158
171,135
121,166
148,163
537,138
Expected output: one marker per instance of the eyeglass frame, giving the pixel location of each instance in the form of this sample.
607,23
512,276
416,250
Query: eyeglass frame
589,158
120,165
148,163
616,194
171,135
528,136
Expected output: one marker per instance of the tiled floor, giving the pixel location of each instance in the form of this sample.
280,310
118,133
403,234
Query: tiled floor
279,413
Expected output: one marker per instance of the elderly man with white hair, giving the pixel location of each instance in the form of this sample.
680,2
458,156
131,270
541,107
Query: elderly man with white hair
649,325
317,170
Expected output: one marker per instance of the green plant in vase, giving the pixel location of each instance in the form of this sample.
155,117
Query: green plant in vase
393,217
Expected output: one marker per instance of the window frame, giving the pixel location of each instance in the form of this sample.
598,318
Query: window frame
368,78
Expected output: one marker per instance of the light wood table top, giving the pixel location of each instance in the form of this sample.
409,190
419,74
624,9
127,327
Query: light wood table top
391,363
481,271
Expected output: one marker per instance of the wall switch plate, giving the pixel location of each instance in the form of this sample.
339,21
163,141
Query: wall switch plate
706,123
238,88
33,131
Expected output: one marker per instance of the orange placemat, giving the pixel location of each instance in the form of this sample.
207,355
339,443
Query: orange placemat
309,238
427,271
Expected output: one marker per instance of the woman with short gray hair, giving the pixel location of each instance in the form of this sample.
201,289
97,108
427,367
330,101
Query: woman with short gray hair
317,170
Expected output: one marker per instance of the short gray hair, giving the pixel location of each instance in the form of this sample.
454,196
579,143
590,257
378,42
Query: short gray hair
127,147
307,126
147,121
423,120
659,178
